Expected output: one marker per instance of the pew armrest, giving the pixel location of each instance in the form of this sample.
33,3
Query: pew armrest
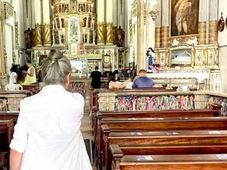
116,151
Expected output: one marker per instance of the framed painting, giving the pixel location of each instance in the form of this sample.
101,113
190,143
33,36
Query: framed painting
184,17
181,57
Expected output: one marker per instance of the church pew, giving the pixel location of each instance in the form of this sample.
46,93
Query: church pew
116,150
162,139
173,162
32,88
6,134
4,115
167,149
6,127
94,94
151,114
154,124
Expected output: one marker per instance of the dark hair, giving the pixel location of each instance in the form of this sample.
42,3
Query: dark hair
96,67
142,71
14,68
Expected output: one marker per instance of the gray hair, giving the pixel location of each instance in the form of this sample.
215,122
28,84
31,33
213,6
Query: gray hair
56,68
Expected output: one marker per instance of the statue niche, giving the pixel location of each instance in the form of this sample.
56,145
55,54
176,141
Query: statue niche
74,30
120,37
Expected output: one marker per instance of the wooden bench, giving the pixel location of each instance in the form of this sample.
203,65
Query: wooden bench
166,149
9,115
151,114
6,134
186,141
173,162
154,124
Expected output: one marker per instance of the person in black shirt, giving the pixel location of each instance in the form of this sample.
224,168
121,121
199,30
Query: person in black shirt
96,78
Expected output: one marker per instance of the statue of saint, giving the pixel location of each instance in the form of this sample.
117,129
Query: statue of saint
150,58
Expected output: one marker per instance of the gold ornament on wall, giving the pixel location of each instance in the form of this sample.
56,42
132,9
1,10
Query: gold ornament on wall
38,38
109,33
101,32
46,35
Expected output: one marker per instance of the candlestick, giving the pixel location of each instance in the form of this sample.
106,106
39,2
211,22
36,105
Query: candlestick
53,34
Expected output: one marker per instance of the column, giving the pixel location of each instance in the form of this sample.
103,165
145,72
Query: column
109,22
2,56
38,30
203,18
158,30
46,23
152,11
100,22
140,53
165,24
213,32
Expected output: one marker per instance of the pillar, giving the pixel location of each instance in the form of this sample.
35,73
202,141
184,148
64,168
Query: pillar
2,56
109,22
46,33
100,22
38,29
203,18
165,24
140,53
213,31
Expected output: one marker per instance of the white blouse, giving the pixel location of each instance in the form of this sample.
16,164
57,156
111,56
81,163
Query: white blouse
48,131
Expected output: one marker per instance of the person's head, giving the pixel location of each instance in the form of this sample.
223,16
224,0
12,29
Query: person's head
57,70
29,63
150,51
96,68
142,73
14,68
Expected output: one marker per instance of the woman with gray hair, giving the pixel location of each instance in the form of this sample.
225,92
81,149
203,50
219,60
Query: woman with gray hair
47,134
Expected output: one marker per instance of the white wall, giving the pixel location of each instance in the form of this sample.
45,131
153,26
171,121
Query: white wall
222,41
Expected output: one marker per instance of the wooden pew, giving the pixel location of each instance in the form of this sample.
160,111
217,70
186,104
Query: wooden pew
150,114
194,140
5,115
154,124
173,162
6,134
32,88
166,149
6,126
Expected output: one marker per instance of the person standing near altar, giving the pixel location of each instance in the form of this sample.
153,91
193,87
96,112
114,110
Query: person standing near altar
150,58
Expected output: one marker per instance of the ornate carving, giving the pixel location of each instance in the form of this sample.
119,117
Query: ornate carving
202,33
38,38
101,32
183,40
46,35
8,10
165,36
213,32
107,101
109,33
157,37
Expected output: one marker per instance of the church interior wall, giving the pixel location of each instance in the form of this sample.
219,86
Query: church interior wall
222,43
205,43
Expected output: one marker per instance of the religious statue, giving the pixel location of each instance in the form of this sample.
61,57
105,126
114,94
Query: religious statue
120,37
150,58
28,38
73,30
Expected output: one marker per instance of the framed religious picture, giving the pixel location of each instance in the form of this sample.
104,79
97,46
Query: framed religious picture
200,57
184,17
106,61
181,57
